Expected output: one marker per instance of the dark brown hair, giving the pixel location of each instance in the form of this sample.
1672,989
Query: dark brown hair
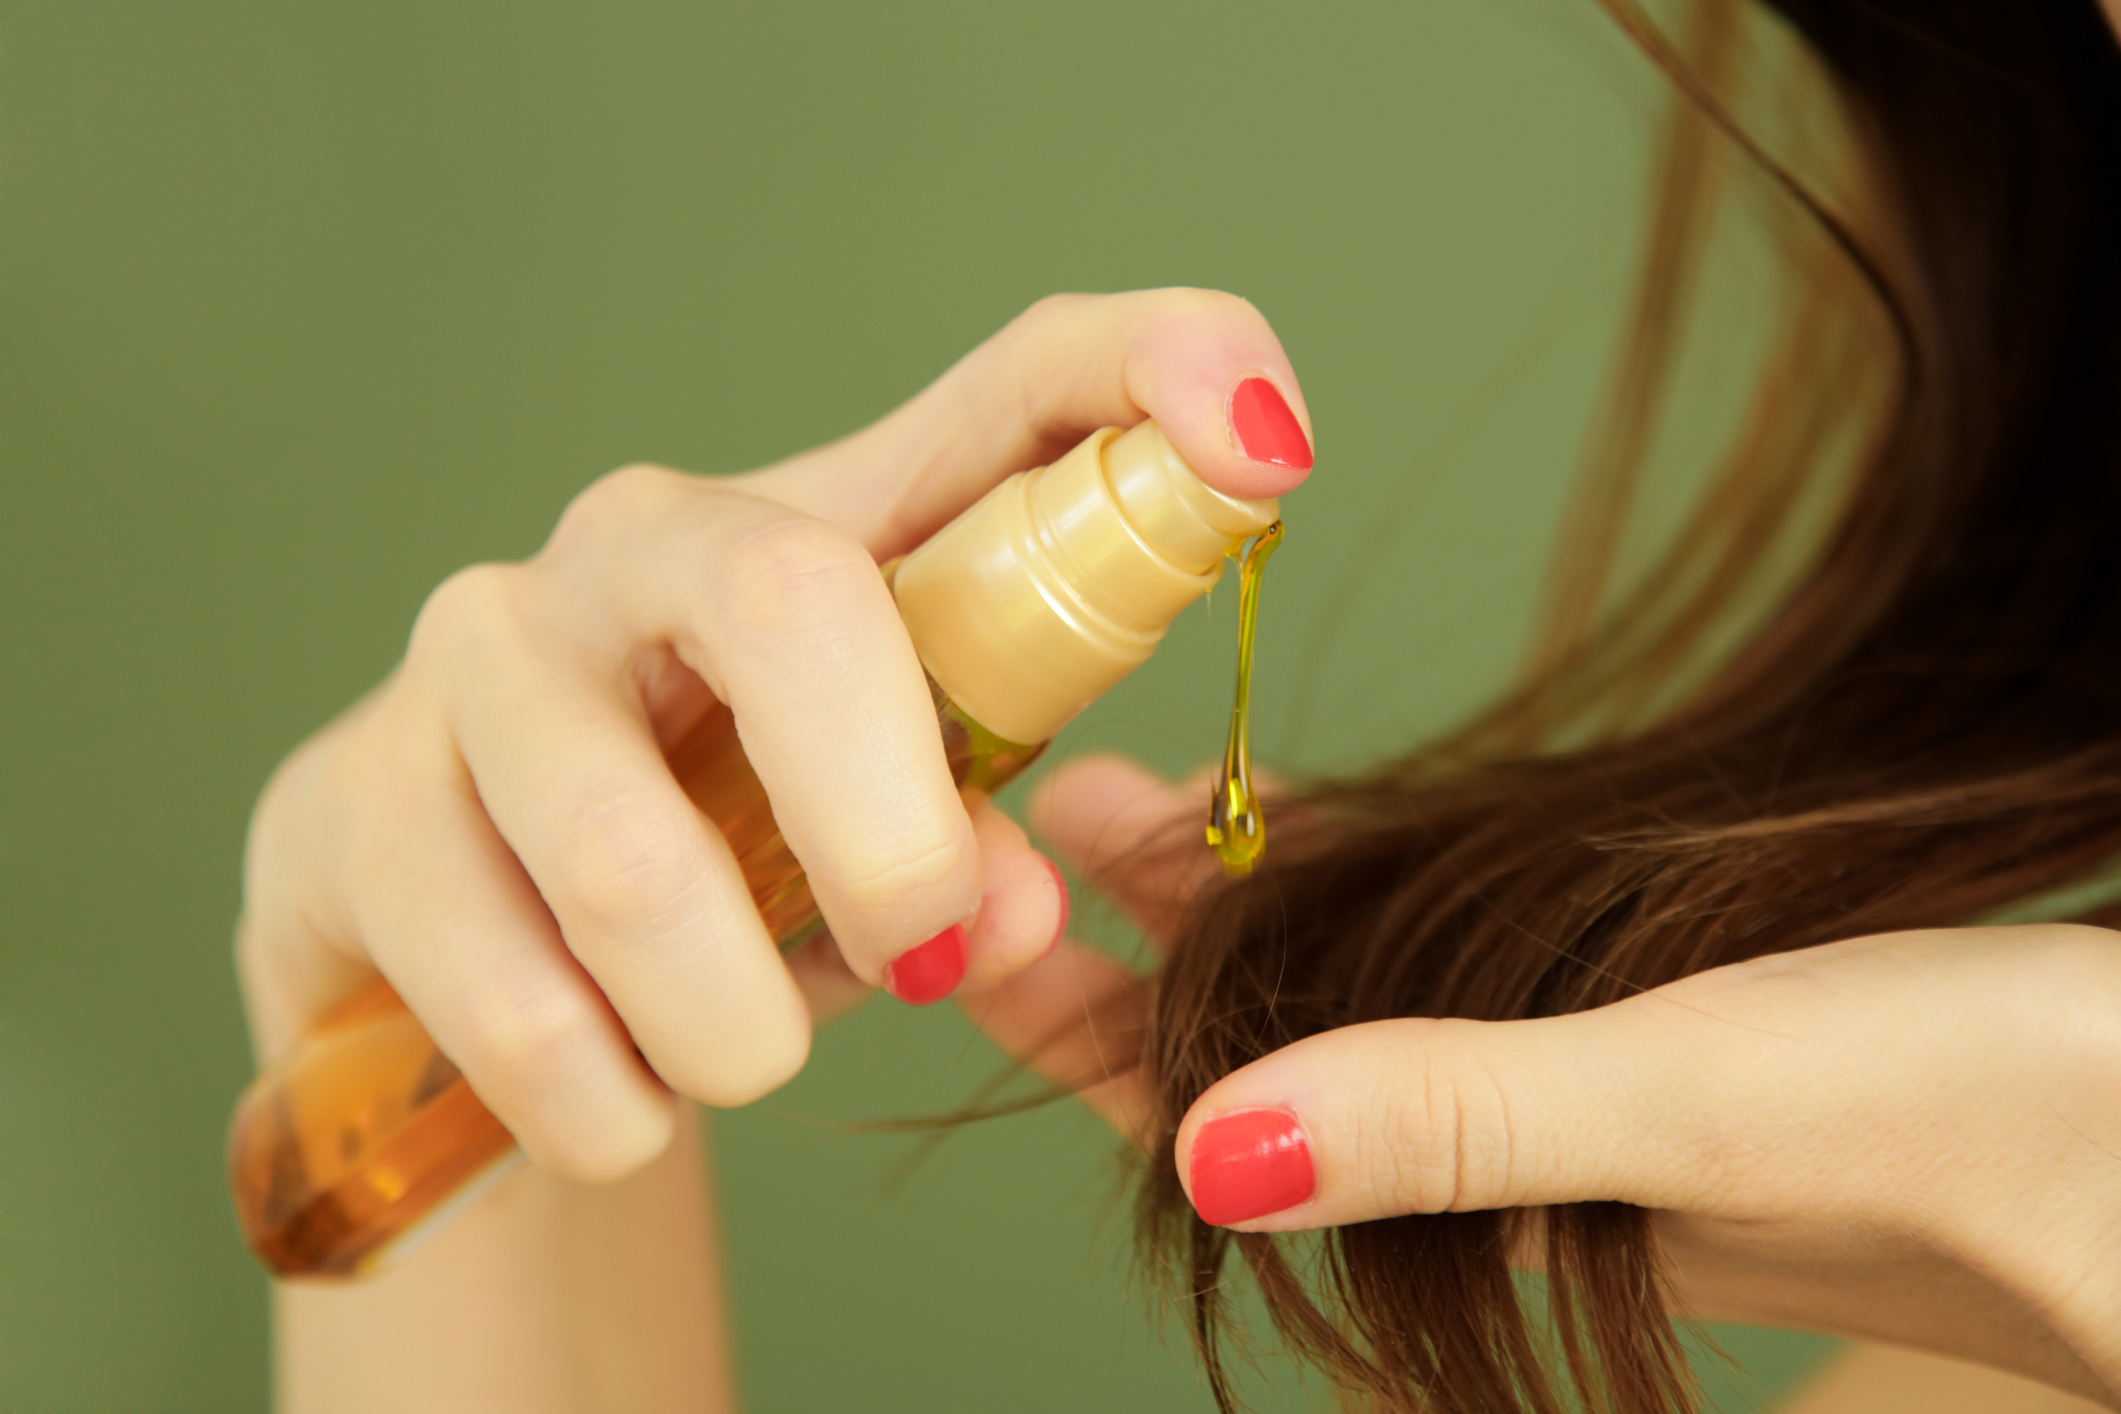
1918,724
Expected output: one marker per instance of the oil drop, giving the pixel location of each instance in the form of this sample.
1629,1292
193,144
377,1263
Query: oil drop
1237,831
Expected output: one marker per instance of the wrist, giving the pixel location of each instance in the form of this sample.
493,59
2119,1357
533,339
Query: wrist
2065,1271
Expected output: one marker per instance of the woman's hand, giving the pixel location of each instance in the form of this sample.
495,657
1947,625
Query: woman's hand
495,829
1913,1138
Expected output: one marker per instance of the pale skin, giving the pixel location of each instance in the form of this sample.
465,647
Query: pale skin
1915,1139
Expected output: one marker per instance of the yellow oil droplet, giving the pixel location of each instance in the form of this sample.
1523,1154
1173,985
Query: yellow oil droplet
1237,831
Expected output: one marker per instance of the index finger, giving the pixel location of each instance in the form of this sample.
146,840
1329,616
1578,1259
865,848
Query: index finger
1204,364
786,621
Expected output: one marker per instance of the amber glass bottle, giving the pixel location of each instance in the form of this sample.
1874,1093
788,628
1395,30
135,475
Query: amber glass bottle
1024,610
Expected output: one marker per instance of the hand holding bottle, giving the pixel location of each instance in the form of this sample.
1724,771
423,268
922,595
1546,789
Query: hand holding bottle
496,828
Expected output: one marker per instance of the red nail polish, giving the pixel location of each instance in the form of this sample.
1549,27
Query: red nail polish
1250,1164
1265,427
1060,886
926,974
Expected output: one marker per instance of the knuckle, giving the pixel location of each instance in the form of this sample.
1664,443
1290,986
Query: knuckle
613,502
548,1062
1047,310
790,569
527,1043
624,865
1441,1134
344,804
471,604
911,862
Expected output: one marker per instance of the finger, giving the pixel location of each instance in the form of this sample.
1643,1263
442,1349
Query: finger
647,894
296,949
1431,1116
1133,835
443,908
1204,364
1023,912
1077,1018
787,622
1023,903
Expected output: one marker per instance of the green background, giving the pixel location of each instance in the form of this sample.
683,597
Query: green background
307,305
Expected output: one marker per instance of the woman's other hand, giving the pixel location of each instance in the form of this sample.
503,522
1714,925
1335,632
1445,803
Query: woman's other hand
1913,1138
496,830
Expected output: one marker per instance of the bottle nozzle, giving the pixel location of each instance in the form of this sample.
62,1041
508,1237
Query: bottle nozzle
1060,581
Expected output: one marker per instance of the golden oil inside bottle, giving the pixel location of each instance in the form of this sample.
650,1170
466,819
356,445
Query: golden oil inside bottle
1237,831
366,1138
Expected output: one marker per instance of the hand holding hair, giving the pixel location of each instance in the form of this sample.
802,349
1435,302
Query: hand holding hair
1912,1138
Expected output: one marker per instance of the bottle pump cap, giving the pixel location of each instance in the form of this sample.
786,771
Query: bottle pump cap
1060,581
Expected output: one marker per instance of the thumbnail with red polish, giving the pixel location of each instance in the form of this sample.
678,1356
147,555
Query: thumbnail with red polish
1265,427
1250,1164
930,972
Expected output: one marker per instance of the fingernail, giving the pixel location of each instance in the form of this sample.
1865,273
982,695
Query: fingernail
1060,886
926,974
1250,1164
1265,428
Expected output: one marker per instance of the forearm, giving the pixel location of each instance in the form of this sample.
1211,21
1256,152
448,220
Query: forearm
1876,1379
545,1297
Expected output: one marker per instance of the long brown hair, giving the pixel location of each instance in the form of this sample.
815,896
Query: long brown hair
1918,723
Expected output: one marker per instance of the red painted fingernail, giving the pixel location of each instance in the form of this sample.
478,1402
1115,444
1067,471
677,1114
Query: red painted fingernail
1250,1164
924,975
1060,886
1265,427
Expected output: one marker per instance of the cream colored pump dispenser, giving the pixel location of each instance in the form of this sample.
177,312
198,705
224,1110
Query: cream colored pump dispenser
1061,581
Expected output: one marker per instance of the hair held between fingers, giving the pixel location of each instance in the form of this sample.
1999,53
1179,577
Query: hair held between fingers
1872,683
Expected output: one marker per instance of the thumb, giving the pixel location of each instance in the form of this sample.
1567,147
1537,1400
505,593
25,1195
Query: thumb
1433,1116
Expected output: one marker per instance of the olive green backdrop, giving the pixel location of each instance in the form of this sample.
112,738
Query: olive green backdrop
306,305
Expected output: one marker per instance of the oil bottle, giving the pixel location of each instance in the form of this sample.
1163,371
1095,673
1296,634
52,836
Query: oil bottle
1024,610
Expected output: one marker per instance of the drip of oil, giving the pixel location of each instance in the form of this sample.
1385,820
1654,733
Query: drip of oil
1237,831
